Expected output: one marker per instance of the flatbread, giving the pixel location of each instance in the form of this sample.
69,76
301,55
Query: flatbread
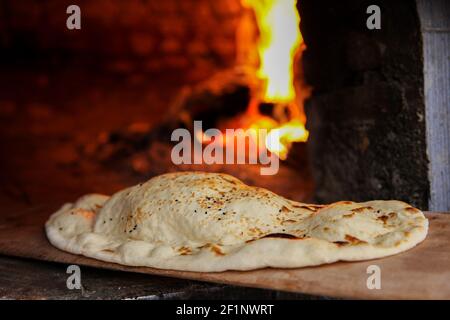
211,222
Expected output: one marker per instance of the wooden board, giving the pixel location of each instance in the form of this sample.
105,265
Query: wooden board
420,273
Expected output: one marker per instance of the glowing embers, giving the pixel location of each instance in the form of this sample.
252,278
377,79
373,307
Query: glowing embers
235,146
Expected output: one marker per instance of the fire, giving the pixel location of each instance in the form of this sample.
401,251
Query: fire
279,42
280,38
280,139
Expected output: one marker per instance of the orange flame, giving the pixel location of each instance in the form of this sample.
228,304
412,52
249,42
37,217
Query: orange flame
279,42
293,131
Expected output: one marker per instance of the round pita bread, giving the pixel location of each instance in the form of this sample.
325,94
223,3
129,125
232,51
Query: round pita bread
197,221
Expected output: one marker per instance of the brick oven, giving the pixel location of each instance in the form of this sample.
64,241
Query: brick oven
92,110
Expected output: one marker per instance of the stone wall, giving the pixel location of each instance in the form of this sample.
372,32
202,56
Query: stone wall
366,113
149,35
435,20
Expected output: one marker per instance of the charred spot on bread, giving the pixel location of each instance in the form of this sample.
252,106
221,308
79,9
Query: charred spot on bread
185,251
383,218
281,235
217,250
353,240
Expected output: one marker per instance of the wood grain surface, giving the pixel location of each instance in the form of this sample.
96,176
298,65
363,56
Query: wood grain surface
420,273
